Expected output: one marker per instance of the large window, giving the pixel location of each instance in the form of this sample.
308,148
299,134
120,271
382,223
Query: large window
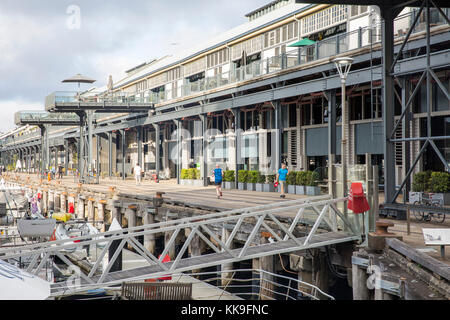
285,33
217,58
324,19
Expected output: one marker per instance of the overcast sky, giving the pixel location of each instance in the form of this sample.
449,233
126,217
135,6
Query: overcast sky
43,42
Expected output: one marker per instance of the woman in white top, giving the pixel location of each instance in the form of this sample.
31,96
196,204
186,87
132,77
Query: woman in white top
137,173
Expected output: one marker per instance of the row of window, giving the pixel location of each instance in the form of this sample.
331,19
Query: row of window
272,38
324,18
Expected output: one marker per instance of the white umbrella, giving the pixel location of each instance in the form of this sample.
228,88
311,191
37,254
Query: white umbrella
17,284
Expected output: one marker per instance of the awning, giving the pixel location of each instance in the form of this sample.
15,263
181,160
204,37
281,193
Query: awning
302,43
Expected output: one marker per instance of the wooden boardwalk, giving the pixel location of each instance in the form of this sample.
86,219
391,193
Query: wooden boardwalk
203,196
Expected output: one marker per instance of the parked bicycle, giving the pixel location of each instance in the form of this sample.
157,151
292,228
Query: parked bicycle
425,215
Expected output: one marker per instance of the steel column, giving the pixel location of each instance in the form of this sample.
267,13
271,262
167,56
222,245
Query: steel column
110,154
388,104
157,148
139,145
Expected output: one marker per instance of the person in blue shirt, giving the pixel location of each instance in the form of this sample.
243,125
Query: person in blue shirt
218,174
281,178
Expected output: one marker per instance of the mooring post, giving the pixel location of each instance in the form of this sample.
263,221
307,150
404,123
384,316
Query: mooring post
149,239
101,214
226,276
57,201
63,200
51,201
130,214
90,210
267,264
359,283
80,208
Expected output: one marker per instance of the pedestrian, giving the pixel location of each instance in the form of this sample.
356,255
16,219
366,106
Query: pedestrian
53,172
137,174
218,175
281,178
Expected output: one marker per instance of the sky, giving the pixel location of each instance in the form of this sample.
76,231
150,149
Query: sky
43,42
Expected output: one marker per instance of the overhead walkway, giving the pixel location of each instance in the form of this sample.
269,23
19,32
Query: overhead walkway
40,118
64,101
329,226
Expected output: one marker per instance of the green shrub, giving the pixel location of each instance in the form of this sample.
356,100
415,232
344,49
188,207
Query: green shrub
184,174
228,176
440,182
252,176
312,179
421,181
271,178
291,178
242,176
260,178
302,178
193,174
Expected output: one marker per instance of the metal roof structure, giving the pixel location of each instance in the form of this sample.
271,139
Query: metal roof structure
380,3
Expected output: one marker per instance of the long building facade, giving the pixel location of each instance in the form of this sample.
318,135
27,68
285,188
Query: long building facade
253,98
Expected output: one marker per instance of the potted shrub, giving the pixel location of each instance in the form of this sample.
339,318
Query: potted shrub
268,186
242,179
252,177
184,177
194,176
421,184
291,181
260,181
312,188
440,186
228,179
302,180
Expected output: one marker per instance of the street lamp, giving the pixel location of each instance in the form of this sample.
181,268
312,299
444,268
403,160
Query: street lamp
343,65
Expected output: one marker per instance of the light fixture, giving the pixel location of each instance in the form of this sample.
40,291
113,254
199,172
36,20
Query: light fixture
343,65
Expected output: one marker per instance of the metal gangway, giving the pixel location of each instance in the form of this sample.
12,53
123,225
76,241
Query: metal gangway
328,226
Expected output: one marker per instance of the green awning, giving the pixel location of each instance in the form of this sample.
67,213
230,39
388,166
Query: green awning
302,43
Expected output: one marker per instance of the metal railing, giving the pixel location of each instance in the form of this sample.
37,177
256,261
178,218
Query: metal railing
321,212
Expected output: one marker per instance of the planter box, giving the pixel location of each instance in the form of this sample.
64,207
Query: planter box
291,189
300,190
268,187
241,185
228,185
259,187
251,186
197,183
186,182
441,198
312,191
415,196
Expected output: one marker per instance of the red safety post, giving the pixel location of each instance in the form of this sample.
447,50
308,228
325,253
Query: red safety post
357,201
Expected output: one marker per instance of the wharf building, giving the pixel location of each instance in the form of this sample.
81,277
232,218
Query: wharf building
252,98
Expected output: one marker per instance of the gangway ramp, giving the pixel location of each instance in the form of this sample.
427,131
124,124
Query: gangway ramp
329,227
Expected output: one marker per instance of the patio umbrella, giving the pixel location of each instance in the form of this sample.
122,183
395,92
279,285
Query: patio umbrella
78,78
302,43
17,284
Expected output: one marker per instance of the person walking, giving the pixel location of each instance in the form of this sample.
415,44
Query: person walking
137,173
218,175
281,178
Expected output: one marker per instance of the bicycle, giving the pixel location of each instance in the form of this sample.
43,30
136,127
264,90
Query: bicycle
429,216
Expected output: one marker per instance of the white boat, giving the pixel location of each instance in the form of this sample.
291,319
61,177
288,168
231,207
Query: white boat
17,284
36,227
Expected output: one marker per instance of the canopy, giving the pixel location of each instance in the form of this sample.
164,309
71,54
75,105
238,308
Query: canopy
78,78
302,43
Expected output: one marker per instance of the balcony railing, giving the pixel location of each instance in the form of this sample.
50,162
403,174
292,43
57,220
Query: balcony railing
329,47
34,116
